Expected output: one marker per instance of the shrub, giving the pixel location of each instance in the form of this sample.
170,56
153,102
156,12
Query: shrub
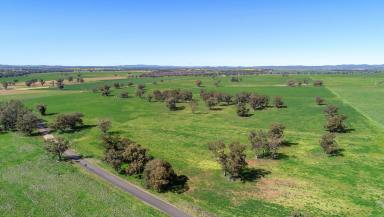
124,95
279,102
211,102
57,146
10,112
171,103
104,125
136,158
105,90
69,121
198,83
331,110
336,124
259,143
259,102
27,123
318,83
241,109
42,109
291,83
236,160
319,100
158,175
329,144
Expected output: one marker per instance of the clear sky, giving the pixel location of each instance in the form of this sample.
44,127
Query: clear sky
191,32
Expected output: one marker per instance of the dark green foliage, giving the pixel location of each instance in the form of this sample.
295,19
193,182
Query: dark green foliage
69,121
57,146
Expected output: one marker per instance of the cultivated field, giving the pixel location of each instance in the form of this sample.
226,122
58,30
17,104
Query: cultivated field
303,179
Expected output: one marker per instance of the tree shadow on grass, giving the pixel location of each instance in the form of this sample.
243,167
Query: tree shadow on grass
337,153
216,109
179,185
51,114
179,108
253,174
288,143
79,128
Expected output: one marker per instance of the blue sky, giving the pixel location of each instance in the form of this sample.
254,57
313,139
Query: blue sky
191,32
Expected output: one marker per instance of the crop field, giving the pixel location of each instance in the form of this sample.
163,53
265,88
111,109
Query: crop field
303,179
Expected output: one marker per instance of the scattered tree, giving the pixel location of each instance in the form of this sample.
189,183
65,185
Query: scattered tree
198,83
124,95
57,146
104,126
236,160
336,124
279,102
105,90
27,123
242,109
158,175
319,100
42,82
69,121
171,103
211,102
329,144
259,102
318,83
42,109
4,84
331,110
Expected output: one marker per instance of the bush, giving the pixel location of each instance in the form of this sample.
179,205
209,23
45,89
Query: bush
279,102
27,123
242,110
198,83
171,104
41,108
259,102
158,175
329,144
70,121
104,126
136,158
319,100
211,102
124,95
318,83
331,110
57,146
14,111
336,124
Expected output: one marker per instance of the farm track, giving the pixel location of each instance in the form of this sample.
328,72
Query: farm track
118,182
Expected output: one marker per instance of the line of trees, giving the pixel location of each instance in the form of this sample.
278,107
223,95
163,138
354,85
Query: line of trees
130,158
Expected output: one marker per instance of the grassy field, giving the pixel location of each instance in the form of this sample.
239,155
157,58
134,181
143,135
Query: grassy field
33,184
305,179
